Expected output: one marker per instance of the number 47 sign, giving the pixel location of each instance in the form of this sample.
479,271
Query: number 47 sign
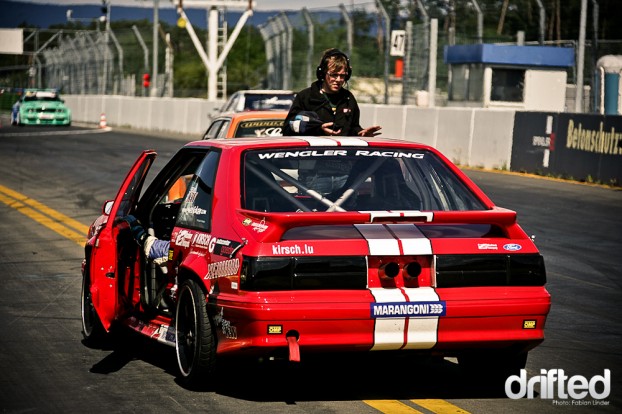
398,41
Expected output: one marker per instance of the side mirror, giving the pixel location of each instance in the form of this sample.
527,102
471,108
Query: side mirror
107,207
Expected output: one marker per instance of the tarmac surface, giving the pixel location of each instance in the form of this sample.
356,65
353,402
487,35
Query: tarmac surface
47,368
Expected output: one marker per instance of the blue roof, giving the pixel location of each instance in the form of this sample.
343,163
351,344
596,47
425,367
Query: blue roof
533,56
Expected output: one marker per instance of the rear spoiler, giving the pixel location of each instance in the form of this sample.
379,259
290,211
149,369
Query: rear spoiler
284,221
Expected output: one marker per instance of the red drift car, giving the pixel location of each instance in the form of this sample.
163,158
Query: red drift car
299,245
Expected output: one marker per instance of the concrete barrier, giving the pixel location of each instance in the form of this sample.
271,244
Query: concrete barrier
476,137
190,116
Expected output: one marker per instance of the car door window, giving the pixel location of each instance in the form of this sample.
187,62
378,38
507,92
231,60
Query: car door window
223,129
196,208
213,129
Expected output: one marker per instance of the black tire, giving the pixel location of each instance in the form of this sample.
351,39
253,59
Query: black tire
195,340
92,329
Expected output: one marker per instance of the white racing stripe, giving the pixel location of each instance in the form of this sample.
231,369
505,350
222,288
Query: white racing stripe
388,332
413,240
410,318
336,141
405,332
320,141
379,239
422,332
351,142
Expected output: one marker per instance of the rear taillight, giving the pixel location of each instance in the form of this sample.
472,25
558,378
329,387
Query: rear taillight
490,270
303,273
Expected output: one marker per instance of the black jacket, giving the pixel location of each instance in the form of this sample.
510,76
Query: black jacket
347,116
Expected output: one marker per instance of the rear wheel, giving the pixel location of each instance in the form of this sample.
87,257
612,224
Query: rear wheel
195,341
92,329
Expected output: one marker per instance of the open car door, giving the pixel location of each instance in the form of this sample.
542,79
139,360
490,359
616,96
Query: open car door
104,266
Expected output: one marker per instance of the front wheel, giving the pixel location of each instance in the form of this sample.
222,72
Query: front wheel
195,341
92,329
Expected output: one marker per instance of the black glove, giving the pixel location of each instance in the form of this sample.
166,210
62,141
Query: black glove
137,229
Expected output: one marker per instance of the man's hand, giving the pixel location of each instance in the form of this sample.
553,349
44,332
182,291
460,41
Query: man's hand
328,131
370,132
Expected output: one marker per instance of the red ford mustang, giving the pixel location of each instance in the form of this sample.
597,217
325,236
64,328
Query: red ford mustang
300,245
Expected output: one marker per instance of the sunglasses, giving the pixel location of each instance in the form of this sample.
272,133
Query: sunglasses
337,75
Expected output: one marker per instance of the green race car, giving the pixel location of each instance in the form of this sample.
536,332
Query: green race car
40,107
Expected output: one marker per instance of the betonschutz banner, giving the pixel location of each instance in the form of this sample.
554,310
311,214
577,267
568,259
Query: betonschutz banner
579,146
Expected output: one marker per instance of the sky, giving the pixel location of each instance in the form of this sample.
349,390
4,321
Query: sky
260,5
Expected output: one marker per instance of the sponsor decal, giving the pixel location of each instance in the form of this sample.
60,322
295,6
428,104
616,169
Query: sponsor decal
388,154
407,309
224,247
512,247
262,123
275,329
487,246
304,153
183,238
222,269
192,195
196,210
247,222
228,330
555,381
204,241
277,249
269,132
339,153
259,227
530,324
538,141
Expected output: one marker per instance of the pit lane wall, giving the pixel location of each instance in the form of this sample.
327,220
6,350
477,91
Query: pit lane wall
555,144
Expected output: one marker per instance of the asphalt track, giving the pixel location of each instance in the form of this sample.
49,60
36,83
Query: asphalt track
53,183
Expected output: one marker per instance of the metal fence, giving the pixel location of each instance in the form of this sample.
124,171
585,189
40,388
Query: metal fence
86,62
98,62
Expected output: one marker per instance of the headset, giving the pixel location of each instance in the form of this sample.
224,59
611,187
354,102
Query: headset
320,72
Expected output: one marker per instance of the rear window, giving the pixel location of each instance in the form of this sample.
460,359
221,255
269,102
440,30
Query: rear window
352,179
258,102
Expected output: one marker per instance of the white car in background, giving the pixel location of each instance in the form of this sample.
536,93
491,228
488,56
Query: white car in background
259,100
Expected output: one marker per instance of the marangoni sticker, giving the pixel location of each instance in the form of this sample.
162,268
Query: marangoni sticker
407,309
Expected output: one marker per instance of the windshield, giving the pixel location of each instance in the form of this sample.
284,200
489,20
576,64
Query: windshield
41,96
353,179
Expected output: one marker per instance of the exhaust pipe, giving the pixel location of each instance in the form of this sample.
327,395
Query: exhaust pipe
292,343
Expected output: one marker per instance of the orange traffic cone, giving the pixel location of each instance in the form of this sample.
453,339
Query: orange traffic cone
102,120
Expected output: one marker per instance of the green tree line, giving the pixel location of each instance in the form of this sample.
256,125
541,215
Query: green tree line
246,62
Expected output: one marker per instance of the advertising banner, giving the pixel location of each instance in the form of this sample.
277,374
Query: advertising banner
584,147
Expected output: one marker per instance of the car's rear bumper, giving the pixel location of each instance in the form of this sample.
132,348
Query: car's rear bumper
474,318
